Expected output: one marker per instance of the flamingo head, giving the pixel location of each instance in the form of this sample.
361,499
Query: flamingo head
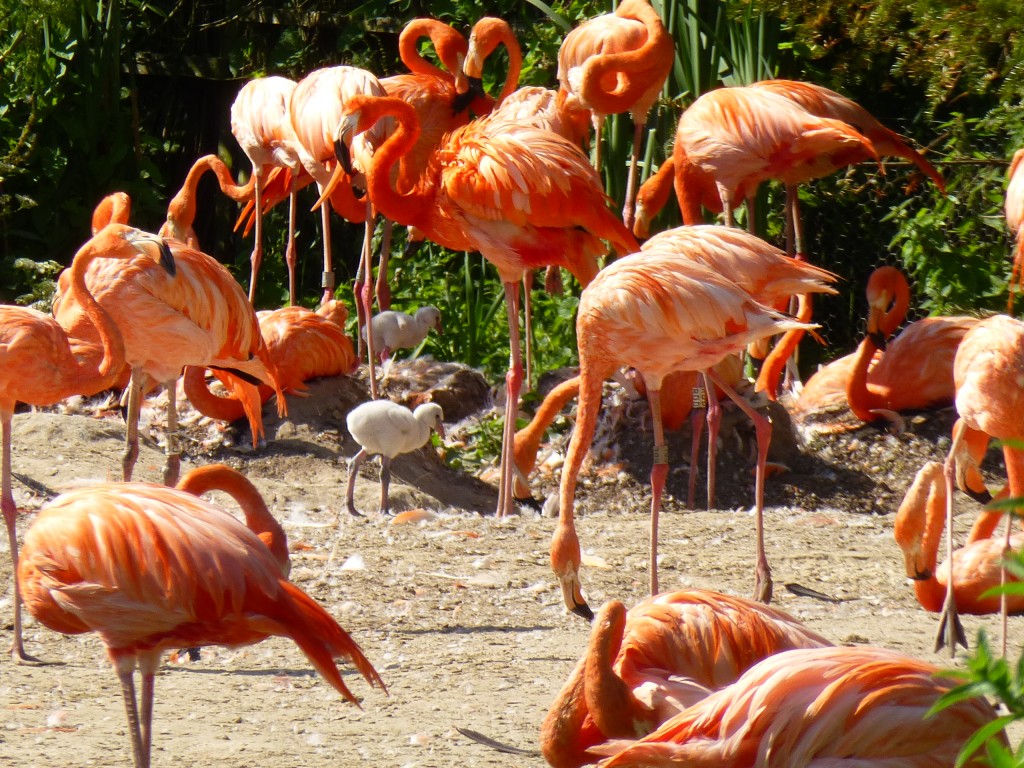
565,562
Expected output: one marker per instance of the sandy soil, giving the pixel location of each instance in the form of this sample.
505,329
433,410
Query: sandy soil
459,613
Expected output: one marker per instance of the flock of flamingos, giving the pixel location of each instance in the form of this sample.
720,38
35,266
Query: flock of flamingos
683,678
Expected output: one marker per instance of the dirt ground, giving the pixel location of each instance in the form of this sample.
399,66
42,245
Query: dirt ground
459,612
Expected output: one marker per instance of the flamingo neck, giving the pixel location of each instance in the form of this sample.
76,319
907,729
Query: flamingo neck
689,183
773,365
527,439
204,400
413,208
113,360
446,47
488,33
567,731
115,208
181,211
612,705
918,531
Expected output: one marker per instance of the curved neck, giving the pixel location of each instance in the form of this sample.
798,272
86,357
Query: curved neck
527,440
488,33
115,208
181,211
689,183
918,527
567,733
861,398
446,42
113,360
652,197
258,518
774,364
204,400
612,705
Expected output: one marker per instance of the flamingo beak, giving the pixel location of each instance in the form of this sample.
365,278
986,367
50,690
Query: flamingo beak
572,594
474,89
136,237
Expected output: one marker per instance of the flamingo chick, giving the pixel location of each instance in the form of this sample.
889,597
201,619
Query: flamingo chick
397,330
389,429
150,568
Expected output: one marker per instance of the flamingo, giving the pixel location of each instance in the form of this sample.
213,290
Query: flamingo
820,706
302,344
987,371
199,317
181,210
260,123
646,665
150,568
115,208
388,429
1014,210
658,312
976,566
618,62
523,197
735,138
393,330
43,364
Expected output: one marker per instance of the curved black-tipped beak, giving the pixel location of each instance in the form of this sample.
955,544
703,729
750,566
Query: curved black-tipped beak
878,339
341,152
462,101
167,258
583,610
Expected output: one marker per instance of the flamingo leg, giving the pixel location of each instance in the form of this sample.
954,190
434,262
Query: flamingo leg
10,510
597,121
697,417
131,437
290,255
148,666
381,288
385,482
629,208
763,433
257,247
951,631
714,417
659,471
726,199
172,464
353,470
327,278
365,297
1014,460
513,384
126,673
528,322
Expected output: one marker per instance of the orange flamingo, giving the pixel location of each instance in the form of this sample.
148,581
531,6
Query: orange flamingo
181,210
523,197
302,345
738,137
820,706
976,566
666,653
260,123
151,568
916,368
115,208
43,364
658,312
1014,210
201,316
618,62
987,371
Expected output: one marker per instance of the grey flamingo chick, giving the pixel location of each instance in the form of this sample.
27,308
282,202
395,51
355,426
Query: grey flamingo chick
389,429
397,330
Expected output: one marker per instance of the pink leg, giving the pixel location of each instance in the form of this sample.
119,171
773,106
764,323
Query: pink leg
382,289
131,436
290,256
257,247
629,209
172,464
125,668
10,511
513,384
366,299
528,321
763,432
659,471
697,417
714,417
951,631
327,278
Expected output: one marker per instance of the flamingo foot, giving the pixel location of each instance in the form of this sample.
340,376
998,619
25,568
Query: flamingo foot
763,582
18,656
951,630
894,422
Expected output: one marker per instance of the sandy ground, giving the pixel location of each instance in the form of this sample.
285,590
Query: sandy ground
459,613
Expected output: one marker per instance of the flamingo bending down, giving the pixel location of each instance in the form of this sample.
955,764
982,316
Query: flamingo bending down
201,317
388,429
522,197
646,665
658,312
988,371
43,363
301,344
151,568
181,210
820,706
1014,210
618,62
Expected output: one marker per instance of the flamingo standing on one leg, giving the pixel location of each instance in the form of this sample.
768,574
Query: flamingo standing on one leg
989,375
820,706
523,197
42,363
201,316
618,62
645,665
658,312
150,568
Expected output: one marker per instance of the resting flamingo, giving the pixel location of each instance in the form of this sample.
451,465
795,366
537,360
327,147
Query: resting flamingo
645,665
820,706
987,371
735,138
301,344
659,312
43,363
1014,210
618,62
150,568
523,197
199,317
